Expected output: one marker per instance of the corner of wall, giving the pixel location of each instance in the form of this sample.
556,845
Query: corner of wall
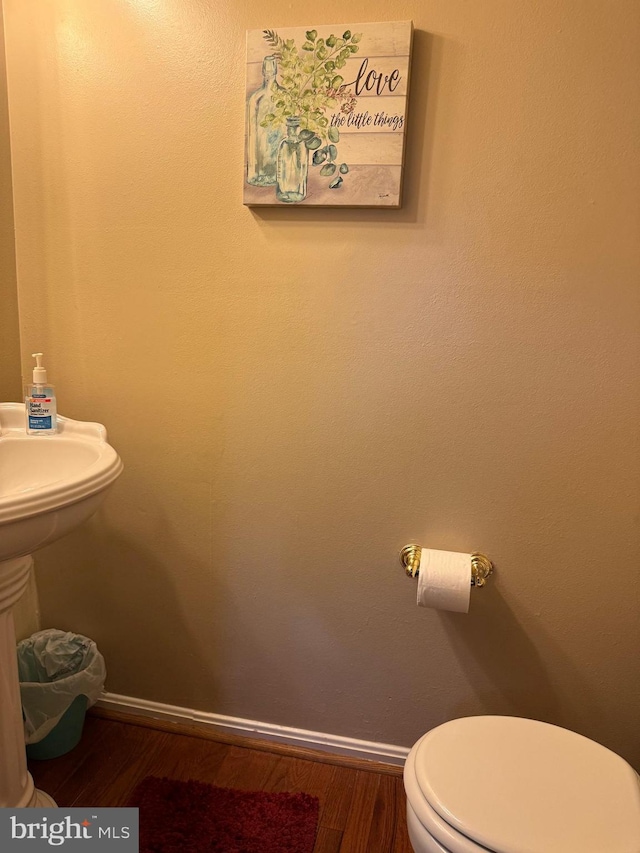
10,374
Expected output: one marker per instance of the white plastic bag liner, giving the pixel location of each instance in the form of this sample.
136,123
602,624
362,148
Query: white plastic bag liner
54,667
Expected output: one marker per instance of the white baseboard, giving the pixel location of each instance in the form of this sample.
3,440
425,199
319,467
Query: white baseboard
382,752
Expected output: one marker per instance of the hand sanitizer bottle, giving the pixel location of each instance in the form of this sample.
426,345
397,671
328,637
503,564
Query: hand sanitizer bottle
40,402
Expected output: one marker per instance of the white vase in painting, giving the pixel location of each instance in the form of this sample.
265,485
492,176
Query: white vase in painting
292,165
262,142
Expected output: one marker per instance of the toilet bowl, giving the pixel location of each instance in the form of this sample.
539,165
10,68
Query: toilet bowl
513,785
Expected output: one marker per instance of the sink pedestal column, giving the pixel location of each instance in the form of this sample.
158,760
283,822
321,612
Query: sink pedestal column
16,784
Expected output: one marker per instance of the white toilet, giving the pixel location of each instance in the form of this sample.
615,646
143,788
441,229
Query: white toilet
512,785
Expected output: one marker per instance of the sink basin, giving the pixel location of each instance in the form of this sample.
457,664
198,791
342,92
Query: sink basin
49,483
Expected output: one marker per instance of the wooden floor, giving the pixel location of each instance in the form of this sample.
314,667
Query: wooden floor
361,810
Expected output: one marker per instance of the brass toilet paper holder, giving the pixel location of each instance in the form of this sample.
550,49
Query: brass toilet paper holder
481,566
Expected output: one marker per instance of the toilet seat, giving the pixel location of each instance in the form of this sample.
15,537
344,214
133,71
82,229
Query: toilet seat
446,838
512,785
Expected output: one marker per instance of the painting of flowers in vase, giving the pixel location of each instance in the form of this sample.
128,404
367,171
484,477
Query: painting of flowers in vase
326,115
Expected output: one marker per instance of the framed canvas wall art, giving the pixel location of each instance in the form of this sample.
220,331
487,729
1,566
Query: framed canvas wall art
326,114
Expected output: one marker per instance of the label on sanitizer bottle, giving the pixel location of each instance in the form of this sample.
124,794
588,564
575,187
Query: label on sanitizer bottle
41,412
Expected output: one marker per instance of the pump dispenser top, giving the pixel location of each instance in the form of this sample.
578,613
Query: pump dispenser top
39,372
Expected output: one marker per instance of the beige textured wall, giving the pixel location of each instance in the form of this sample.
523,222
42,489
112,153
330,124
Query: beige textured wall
297,394
10,380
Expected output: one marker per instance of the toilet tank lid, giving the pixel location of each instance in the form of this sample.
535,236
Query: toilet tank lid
521,786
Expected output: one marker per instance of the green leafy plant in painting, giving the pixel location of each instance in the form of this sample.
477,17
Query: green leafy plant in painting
311,86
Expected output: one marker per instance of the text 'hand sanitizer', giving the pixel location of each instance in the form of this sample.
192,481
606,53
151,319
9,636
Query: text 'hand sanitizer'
40,402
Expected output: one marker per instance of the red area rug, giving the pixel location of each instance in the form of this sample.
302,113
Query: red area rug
193,817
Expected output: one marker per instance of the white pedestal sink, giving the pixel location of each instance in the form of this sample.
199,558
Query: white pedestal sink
48,485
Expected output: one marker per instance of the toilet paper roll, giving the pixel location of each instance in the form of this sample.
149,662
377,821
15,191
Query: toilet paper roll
444,581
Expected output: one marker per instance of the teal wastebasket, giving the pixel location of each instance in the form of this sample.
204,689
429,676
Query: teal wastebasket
61,674
64,735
